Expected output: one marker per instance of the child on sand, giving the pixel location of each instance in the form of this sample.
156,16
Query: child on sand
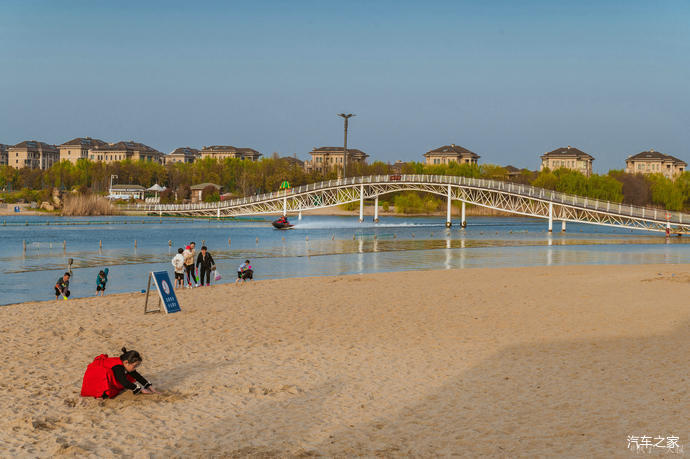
101,280
106,377
62,286
178,264
245,272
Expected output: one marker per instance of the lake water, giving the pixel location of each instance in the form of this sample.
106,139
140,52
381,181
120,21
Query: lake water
317,246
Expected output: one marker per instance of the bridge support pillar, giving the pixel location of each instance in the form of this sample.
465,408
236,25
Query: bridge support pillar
563,226
361,203
284,206
550,217
448,202
218,213
376,209
463,222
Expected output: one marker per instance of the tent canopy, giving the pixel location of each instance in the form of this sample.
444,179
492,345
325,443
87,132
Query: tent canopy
156,187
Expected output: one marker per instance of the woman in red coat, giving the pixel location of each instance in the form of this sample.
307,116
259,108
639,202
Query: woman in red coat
106,377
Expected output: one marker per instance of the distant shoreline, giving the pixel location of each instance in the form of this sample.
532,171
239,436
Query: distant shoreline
335,211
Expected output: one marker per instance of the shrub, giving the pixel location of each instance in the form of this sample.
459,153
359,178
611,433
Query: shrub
87,205
167,196
210,194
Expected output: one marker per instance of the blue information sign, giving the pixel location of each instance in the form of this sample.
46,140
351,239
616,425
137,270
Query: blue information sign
166,291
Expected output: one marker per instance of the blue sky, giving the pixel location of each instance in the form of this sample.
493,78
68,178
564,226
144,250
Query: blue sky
509,80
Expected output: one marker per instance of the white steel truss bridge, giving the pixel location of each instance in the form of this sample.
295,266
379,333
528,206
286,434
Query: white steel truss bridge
494,194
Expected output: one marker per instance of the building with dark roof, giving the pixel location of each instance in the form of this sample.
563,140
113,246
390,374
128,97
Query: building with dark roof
198,190
78,148
325,159
182,155
293,161
32,154
568,158
398,167
120,151
654,162
451,154
220,152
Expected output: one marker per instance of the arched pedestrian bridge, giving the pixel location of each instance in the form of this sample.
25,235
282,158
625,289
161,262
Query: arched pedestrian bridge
493,194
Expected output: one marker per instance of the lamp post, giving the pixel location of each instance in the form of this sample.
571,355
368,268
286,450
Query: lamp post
110,191
346,117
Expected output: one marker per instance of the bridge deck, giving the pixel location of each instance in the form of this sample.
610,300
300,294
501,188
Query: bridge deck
376,185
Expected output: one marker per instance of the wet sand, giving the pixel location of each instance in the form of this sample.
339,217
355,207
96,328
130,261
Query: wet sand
547,361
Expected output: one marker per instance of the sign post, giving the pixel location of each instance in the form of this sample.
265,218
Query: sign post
166,294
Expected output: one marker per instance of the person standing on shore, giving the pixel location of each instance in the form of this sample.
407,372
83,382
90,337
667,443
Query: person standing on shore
101,280
205,264
62,286
189,265
178,264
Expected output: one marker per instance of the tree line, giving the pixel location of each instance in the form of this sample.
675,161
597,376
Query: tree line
244,177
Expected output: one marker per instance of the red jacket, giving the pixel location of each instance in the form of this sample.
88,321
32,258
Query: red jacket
99,378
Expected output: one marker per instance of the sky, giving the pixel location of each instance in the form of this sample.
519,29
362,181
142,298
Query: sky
508,80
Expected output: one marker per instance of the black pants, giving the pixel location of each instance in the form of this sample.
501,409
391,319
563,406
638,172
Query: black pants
190,274
205,272
58,293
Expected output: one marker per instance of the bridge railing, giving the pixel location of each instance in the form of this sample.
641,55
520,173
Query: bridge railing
480,183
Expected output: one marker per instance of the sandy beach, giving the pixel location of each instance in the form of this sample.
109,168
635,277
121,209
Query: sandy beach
558,361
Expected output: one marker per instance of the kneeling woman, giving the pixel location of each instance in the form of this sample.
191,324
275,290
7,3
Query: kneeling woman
106,377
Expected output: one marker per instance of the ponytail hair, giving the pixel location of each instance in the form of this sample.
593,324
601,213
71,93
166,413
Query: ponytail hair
130,356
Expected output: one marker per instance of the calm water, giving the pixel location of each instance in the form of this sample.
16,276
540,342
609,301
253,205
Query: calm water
317,246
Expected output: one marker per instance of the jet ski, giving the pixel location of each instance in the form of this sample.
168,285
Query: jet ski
282,223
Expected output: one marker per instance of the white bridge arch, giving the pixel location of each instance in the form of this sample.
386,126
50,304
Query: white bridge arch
493,194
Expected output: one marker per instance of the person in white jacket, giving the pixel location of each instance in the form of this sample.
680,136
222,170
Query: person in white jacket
178,264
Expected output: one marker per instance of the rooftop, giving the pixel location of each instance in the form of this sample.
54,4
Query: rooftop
655,155
84,141
201,186
33,144
568,151
128,145
128,187
185,151
451,150
350,151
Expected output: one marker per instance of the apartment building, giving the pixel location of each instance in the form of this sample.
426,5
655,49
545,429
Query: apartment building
78,148
3,154
182,155
450,153
325,159
569,158
221,152
121,151
33,154
654,162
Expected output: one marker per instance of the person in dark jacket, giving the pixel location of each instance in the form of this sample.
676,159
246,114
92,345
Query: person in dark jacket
62,286
205,264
